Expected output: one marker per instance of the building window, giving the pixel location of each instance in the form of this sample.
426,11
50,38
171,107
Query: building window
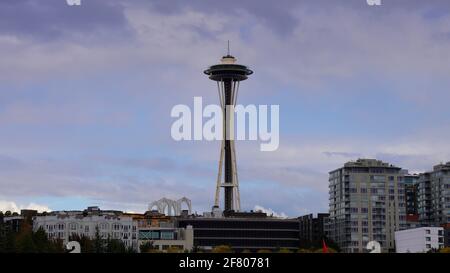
427,231
428,246
73,226
428,239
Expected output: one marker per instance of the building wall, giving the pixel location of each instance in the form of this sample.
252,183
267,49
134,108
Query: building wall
312,229
447,235
62,226
164,238
367,202
419,239
244,233
13,223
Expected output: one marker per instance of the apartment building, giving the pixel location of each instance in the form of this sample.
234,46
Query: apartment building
367,203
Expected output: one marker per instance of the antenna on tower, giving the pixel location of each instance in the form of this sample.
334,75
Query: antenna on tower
228,48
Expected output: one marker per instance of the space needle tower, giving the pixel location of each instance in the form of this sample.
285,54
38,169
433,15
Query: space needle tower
228,74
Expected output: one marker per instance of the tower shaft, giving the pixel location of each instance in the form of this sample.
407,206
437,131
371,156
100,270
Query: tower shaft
228,174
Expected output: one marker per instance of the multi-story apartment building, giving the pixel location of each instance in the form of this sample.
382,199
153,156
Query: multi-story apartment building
367,202
434,196
110,224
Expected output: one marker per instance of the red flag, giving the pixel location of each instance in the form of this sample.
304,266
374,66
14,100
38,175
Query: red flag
324,247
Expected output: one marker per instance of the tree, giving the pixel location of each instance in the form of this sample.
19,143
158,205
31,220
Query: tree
284,250
114,246
7,240
147,247
98,243
444,250
222,249
25,244
24,240
130,250
264,251
86,244
330,250
173,249
41,241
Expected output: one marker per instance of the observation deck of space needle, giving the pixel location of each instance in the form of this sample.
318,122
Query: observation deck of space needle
228,74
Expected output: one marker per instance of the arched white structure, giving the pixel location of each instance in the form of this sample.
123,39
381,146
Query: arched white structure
187,202
173,207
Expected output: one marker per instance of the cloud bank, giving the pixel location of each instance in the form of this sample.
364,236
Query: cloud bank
86,94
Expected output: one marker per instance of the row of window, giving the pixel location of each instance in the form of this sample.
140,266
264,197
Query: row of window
102,226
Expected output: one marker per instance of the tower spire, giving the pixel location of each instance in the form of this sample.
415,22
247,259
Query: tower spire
228,52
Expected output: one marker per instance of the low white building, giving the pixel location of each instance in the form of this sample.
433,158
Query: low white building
111,224
419,239
166,236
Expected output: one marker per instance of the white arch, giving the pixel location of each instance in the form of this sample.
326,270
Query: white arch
173,207
187,202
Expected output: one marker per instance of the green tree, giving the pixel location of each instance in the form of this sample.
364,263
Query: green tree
25,244
24,240
41,241
98,242
114,246
284,250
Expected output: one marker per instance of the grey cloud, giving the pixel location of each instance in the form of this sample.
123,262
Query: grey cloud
115,189
273,14
8,163
52,19
342,154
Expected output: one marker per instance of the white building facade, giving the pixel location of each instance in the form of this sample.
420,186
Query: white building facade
62,225
419,240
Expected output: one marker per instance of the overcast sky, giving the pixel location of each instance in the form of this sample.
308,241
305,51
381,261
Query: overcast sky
86,94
